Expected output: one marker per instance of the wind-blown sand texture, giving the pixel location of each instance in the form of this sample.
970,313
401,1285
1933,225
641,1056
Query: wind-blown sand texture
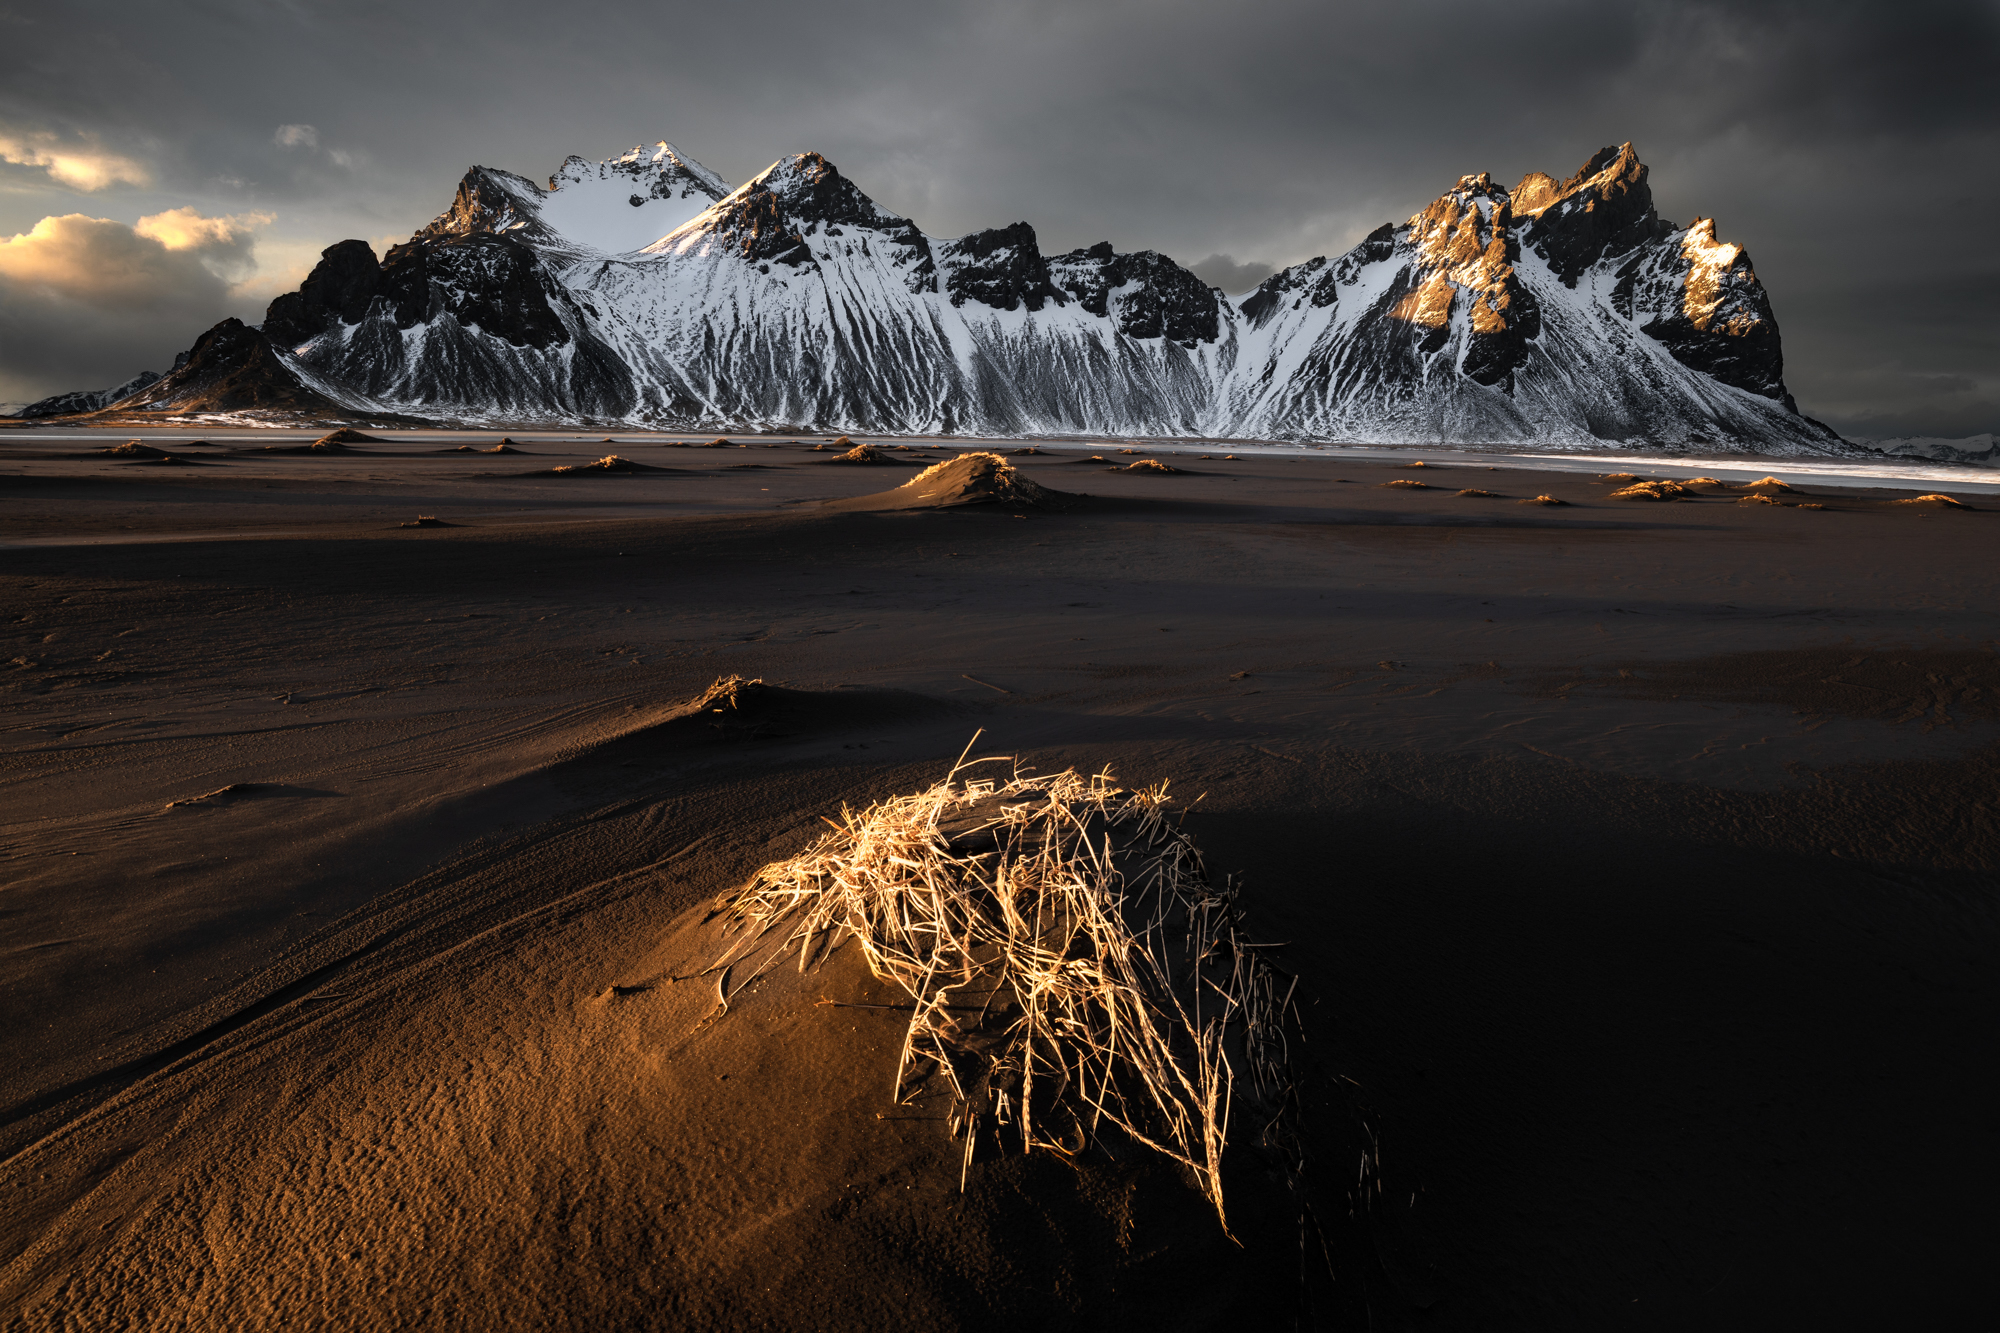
366,885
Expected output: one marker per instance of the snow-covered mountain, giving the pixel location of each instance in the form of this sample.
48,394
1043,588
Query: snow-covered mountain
1980,450
82,400
643,290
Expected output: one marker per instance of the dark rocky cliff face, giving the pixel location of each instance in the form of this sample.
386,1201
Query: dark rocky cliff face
233,368
1165,300
483,280
1001,267
340,287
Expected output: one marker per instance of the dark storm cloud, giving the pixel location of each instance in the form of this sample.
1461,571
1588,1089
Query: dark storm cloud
1223,271
1847,146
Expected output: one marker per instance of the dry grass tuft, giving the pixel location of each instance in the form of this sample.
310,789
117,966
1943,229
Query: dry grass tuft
1803,505
1765,484
1618,476
1940,501
1409,483
1756,500
1544,500
1070,965
608,463
1478,494
1651,490
1152,465
1418,463
861,453
1704,483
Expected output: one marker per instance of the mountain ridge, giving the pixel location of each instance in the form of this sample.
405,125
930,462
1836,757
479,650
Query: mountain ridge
1564,313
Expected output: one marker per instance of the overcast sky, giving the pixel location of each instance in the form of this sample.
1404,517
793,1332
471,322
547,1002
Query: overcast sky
165,164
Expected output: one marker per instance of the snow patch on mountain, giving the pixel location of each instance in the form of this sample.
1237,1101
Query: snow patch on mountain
628,202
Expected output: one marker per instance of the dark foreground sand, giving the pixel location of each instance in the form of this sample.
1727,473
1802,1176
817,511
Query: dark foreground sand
1638,858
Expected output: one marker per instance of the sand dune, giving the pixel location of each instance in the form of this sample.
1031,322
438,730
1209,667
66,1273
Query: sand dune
1632,860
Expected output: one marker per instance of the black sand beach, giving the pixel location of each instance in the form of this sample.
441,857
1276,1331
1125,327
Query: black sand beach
1637,858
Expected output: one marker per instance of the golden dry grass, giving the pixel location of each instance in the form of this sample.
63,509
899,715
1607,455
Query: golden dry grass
1479,494
1409,483
1544,500
1069,963
1936,501
1765,484
1651,490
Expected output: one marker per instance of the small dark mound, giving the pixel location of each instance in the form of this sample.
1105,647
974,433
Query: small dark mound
133,449
1151,467
1478,494
1031,449
1543,500
1094,458
345,435
427,521
1419,463
167,460
1407,484
1933,502
978,478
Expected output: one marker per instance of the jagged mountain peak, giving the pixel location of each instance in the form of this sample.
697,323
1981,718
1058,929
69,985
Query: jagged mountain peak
793,213
1610,171
661,171
812,190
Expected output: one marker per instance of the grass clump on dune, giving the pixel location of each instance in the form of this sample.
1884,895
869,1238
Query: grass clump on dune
1070,965
1408,484
1651,490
